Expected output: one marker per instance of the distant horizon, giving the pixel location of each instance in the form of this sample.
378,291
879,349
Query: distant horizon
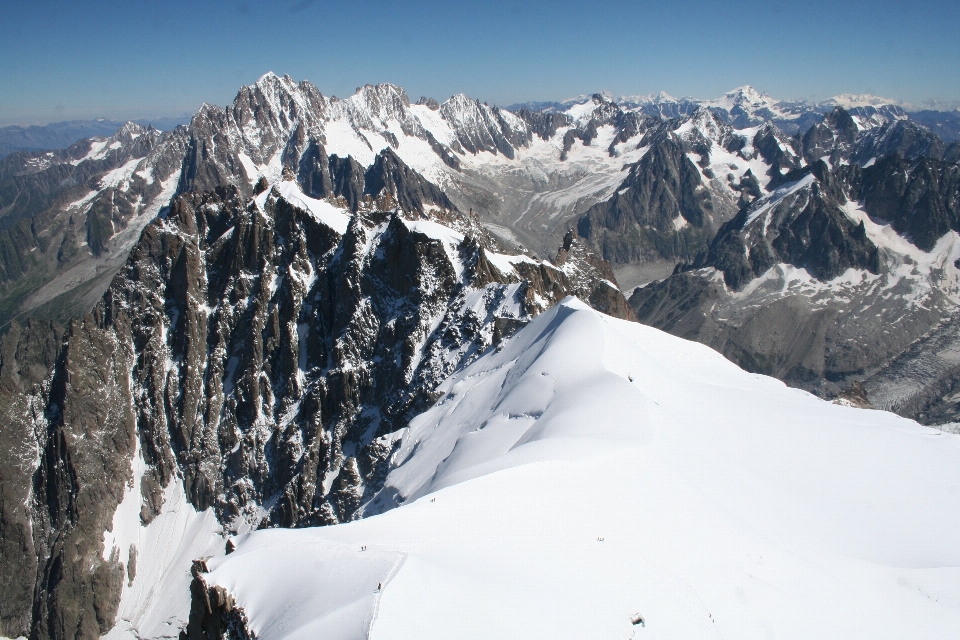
186,114
66,60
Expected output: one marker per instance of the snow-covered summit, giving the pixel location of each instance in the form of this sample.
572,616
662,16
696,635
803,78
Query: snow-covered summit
853,100
741,96
654,488
661,97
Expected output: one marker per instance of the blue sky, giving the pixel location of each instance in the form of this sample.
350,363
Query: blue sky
67,60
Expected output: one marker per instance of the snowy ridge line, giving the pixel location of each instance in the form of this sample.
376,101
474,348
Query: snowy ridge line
778,495
381,588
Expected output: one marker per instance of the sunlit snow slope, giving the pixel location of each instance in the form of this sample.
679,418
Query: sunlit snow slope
594,471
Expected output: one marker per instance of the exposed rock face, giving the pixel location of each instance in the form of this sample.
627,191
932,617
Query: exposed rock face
696,174
802,223
775,148
660,210
482,128
389,175
543,124
27,354
920,198
69,217
854,396
84,469
591,278
692,189
322,176
901,138
831,139
213,612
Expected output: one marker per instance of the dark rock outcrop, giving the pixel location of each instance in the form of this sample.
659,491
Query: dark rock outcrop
802,226
920,198
543,124
832,138
745,297
640,222
591,278
900,137
389,175
321,176
772,146
89,432
27,354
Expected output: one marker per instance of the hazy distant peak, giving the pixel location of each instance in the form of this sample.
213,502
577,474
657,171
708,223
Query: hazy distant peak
852,100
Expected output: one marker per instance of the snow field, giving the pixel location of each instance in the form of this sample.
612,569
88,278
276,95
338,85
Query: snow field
593,469
321,210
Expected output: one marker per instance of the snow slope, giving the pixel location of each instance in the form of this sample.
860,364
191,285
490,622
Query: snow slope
591,472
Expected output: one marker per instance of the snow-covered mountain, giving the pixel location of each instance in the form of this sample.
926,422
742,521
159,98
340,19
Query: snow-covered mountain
250,365
279,287
743,107
655,489
72,215
835,272
529,175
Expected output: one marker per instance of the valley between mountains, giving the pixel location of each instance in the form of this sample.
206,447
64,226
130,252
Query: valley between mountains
453,345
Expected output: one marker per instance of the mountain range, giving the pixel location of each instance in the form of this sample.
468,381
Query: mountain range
59,135
239,323
745,106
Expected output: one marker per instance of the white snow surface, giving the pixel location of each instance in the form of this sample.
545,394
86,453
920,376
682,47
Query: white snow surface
96,151
771,200
593,470
121,175
852,100
156,604
320,210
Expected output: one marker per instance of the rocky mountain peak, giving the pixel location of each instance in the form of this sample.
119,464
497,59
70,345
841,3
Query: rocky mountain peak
430,103
901,137
131,130
704,124
389,174
479,127
275,106
267,79
462,103
382,101
802,223
832,138
839,120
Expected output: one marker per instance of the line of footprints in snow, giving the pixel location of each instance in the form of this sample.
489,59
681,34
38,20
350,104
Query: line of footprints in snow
635,619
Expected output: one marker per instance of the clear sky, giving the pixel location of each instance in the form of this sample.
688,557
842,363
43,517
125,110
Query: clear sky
121,59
